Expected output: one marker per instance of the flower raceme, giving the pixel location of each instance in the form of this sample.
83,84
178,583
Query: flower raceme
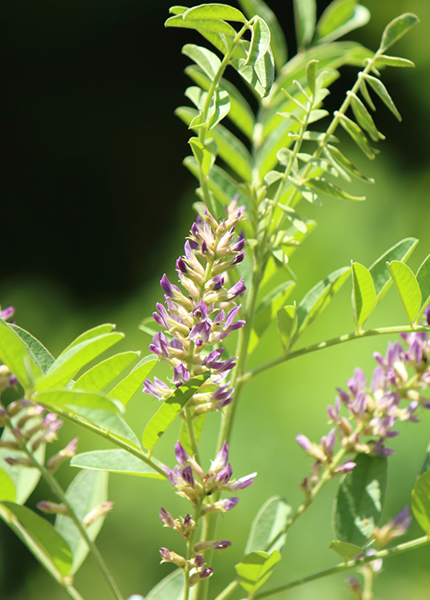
373,410
194,323
192,483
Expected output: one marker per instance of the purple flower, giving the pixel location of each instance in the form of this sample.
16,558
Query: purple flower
7,313
182,455
237,289
166,518
243,482
345,468
304,442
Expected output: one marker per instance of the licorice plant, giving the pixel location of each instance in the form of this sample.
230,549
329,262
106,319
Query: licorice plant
251,183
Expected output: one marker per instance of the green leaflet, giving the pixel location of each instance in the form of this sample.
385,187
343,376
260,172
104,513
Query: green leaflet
50,543
382,92
86,492
260,41
307,193
14,353
240,112
7,487
214,11
87,335
169,588
365,93
99,376
305,15
170,409
397,29
221,108
357,135
345,550
360,499
392,61
268,526
127,387
40,355
230,148
363,294
319,184
420,502
260,8
255,569
311,74
379,271
339,18
423,279
364,119
114,461
207,25
266,157
65,367
318,298
287,325
267,310
294,217
184,438
177,10
260,74
206,60
340,160
408,288
75,399
205,154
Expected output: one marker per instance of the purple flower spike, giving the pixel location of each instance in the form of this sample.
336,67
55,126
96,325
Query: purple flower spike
182,455
243,482
167,286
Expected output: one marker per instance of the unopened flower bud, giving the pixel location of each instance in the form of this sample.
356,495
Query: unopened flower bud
168,556
15,407
166,518
99,511
354,587
55,461
220,506
211,545
52,508
395,528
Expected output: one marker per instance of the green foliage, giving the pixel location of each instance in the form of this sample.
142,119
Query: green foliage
346,550
267,529
421,501
255,569
169,410
85,493
408,288
169,588
114,461
48,545
360,500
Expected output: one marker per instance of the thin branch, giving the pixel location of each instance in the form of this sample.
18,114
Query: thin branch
328,344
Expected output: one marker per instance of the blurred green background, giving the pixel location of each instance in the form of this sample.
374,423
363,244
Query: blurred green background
96,208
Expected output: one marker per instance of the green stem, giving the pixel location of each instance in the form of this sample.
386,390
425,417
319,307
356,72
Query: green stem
191,433
58,491
327,344
212,88
190,552
369,578
351,564
107,436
